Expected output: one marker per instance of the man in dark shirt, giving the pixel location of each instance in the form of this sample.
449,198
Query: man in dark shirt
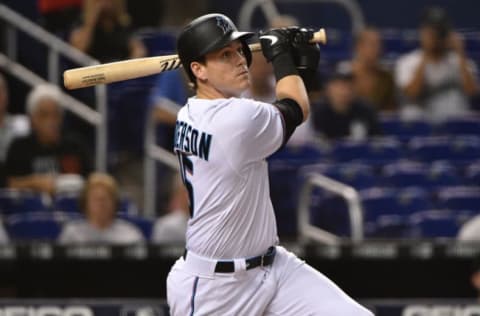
34,161
341,113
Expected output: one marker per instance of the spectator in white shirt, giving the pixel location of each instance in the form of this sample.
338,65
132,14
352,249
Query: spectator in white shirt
437,78
100,202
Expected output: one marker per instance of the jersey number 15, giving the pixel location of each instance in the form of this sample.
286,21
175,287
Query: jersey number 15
186,165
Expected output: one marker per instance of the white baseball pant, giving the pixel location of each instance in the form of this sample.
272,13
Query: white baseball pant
287,287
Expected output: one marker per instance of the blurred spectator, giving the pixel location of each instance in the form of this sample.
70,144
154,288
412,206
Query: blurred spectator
470,231
169,94
372,80
341,113
475,278
57,15
171,228
35,161
104,32
99,202
438,77
11,126
3,235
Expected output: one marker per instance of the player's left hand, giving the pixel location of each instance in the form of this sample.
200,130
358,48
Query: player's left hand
306,55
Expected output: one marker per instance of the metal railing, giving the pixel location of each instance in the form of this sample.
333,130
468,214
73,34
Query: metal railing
57,48
270,11
308,231
154,154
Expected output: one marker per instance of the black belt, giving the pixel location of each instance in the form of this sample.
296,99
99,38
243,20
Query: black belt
260,261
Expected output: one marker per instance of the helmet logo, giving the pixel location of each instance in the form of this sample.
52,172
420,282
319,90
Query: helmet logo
224,25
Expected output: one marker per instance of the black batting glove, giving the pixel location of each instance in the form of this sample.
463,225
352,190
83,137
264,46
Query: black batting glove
277,49
306,55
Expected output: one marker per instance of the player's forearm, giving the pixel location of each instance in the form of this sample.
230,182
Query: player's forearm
25,182
293,87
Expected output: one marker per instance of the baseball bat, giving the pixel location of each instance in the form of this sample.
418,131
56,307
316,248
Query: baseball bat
139,67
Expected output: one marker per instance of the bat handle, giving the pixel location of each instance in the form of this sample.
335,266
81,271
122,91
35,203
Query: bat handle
318,37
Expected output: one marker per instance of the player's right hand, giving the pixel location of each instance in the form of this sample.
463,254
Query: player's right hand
275,42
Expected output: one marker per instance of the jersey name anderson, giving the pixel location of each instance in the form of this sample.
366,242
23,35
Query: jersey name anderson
191,141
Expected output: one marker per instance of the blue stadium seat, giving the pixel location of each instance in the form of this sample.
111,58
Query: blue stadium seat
434,224
69,202
411,173
66,202
377,202
458,149
284,190
359,176
305,154
35,226
158,41
472,174
383,150
392,207
349,150
466,125
330,212
393,125
144,224
459,198
18,201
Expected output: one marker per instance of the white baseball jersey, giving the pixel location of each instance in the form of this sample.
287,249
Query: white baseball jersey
222,146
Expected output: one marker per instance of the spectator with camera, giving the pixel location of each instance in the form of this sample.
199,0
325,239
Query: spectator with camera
438,78
100,201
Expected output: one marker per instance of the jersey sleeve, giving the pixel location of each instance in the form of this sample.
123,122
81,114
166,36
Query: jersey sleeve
254,130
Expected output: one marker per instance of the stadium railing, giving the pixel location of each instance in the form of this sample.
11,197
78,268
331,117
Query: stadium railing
57,49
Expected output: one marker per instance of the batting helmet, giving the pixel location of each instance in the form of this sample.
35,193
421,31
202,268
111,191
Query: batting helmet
206,34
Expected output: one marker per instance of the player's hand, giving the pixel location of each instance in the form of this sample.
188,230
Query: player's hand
275,42
306,55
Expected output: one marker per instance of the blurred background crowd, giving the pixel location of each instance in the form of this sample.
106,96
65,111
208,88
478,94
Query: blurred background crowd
395,115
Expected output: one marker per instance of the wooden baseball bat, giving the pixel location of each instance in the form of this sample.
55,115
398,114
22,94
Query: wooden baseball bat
139,67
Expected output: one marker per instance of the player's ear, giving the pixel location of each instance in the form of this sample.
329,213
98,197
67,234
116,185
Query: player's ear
199,70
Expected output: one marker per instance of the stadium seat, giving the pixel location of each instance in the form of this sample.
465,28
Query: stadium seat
459,198
16,201
158,41
375,151
412,173
359,176
349,150
458,149
393,125
35,226
305,154
70,202
144,224
383,150
66,202
392,207
434,224
466,125
472,174
329,211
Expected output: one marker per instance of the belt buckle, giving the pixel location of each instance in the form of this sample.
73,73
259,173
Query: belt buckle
261,260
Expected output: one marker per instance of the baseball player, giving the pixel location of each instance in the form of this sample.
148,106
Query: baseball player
233,264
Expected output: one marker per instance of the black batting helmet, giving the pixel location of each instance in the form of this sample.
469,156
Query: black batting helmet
206,34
